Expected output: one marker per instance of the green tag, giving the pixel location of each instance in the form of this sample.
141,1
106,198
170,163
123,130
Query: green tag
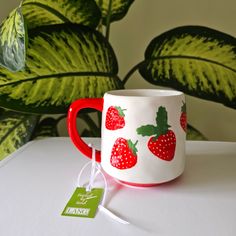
83,203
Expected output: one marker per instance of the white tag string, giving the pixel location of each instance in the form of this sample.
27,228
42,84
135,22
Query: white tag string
93,168
112,215
95,171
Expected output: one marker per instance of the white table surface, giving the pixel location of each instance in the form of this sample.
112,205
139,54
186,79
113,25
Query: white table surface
37,181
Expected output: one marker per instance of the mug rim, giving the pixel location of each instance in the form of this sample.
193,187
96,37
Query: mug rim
144,93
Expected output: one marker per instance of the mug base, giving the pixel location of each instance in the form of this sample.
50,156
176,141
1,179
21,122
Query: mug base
140,185
137,185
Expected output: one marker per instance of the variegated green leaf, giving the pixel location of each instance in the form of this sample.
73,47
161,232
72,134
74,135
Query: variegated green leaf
194,134
15,130
12,41
46,12
116,11
64,63
197,60
46,128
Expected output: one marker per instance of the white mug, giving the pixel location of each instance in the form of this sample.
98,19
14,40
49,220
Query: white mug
143,134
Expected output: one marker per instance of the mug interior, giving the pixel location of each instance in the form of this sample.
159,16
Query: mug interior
145,92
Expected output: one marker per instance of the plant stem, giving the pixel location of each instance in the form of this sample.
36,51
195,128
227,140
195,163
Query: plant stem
136,67
108,20
100,28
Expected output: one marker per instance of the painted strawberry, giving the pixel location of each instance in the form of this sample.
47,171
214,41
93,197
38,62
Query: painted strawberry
123,154
162,142
163,146
115,118
183,117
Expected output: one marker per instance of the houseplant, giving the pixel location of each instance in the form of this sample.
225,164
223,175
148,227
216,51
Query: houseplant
53,52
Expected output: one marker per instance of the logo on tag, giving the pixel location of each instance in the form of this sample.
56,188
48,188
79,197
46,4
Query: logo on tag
77,211
83,203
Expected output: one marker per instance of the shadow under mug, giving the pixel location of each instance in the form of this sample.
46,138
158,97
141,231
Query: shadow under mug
143,134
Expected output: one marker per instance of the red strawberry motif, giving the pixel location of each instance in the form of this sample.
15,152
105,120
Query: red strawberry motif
123,154
167,142
115,118
183,117
162,142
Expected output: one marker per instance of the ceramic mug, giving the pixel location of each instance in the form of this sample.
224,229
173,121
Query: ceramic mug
143,134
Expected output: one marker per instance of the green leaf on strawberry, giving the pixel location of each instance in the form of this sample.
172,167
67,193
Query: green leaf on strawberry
161,121
147,130
161,125
162,141
120,111
132,146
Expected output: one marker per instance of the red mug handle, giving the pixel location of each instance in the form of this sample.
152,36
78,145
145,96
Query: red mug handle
75,107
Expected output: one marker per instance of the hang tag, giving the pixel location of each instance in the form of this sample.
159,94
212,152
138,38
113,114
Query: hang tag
83,203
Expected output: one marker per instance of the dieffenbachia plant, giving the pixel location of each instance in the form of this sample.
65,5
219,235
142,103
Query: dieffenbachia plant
53,52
